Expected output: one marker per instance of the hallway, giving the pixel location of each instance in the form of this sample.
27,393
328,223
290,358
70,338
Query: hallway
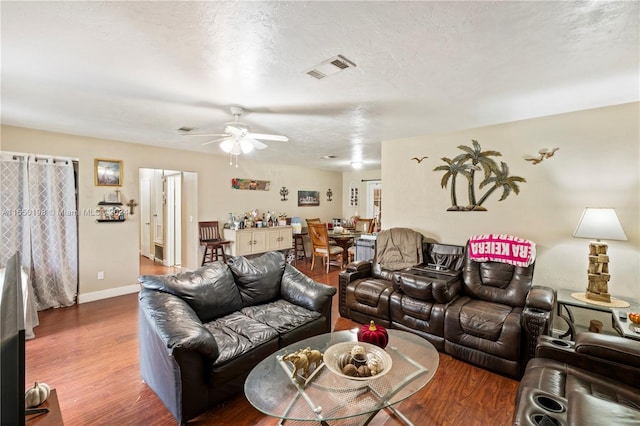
149,267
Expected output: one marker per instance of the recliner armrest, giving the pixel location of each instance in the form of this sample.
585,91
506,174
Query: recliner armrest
614,357
540,297
537,318
610,348
176,323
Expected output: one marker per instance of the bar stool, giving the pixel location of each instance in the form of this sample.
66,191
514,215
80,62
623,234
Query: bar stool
299,251
212,241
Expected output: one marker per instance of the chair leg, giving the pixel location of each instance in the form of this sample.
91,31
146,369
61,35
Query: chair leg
204,255
328,263
313,260
224,256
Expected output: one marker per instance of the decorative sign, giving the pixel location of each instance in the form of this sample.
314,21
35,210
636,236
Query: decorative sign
308,198
494,177
353,197
251,184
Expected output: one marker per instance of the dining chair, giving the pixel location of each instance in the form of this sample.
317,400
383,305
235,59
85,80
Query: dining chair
317,220
320,246
366,227
212,241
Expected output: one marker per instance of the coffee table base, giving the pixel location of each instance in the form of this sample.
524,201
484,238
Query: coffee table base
318,409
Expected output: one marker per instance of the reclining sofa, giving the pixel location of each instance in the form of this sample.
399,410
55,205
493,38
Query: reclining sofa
201,332
592,381
486,313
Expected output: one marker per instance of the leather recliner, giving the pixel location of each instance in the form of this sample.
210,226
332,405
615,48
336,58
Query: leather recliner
487,325
421,297
592,381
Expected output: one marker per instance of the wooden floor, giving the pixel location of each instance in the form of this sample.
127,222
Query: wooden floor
89,353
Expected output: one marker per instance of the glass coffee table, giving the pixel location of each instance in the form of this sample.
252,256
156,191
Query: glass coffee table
326,396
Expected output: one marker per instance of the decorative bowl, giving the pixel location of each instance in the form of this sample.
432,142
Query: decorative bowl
335,354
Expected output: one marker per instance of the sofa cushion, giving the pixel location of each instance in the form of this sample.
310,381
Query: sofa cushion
280,315
236,334
210,290
258,279
483,319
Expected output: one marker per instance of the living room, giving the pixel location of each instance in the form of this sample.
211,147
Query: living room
596,165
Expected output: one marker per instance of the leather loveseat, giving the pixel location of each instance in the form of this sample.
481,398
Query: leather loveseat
486,313
592,381
201,332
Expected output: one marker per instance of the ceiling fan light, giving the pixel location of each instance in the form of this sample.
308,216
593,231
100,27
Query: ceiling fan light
246,146
226,145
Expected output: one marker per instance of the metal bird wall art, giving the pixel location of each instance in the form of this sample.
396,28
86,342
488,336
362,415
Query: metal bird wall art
419,160
544,153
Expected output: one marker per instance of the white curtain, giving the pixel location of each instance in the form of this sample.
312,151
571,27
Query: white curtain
54,232
39,219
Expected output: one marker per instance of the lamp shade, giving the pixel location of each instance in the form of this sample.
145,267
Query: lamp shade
601,224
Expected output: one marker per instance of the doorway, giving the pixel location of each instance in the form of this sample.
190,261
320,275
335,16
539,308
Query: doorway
168,205
374,201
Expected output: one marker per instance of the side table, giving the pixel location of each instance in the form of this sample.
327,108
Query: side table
565,301
625,327
53,417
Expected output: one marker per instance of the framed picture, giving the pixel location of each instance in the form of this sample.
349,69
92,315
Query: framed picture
108,172
308,198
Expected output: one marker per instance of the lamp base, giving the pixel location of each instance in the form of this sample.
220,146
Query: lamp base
601,297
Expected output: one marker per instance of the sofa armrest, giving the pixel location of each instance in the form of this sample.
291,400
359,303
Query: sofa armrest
354,271
614,357
537,319
541,298
611,348
176,324
301,290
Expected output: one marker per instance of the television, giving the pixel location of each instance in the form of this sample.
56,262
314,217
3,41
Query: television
12,337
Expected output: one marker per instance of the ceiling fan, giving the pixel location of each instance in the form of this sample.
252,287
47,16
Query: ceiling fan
237,139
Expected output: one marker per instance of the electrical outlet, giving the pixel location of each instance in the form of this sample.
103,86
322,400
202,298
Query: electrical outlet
101,275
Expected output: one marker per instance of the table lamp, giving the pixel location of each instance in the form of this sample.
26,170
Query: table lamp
599,223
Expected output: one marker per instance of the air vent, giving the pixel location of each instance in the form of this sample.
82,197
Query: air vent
316,74
330,66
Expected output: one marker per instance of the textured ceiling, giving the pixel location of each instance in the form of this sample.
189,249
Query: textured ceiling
138,71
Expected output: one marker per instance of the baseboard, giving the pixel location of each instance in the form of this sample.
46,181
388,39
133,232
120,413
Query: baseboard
106,294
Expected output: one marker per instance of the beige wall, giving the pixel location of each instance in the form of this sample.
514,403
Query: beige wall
114,247
597,166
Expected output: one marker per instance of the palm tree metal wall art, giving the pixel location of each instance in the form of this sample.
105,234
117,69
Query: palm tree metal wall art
472,160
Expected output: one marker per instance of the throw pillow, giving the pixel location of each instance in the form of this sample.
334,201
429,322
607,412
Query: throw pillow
258,279
210,290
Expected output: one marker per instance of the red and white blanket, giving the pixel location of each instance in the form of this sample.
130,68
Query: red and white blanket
502,248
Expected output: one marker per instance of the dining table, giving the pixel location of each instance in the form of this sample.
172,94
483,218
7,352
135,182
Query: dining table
344,238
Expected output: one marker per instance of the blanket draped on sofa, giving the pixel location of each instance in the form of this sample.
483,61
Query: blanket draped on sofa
399,248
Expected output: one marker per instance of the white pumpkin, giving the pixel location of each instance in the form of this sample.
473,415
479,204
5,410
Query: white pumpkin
36,394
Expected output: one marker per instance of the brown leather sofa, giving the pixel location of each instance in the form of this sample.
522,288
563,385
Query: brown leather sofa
201,332
592,381
486,313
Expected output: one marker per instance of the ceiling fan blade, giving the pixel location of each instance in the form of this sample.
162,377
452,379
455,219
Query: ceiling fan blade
278,138
216,140
203,134
256,143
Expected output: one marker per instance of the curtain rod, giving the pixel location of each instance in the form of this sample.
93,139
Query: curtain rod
369,180
39,157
